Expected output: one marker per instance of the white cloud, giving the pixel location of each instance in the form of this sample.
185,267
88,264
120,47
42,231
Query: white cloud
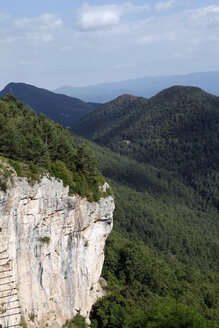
166,5
95,17
186,33
8,39
39,37
3,16
129,8
119,39
44,22
38,29
92,18
206,17
155,38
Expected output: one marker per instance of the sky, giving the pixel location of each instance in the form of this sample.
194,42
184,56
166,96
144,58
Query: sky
50,43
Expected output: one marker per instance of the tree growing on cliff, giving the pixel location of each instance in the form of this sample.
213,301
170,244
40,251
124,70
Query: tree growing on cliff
77,322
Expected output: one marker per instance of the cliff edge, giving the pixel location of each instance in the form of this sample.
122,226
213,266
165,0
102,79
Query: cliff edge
51,252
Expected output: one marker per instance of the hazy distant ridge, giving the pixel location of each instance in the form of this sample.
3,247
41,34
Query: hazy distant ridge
146,87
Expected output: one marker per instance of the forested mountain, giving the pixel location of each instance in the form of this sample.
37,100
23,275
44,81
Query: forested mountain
109,116
60,108
161,262
164,174
176,130
155,206
145,87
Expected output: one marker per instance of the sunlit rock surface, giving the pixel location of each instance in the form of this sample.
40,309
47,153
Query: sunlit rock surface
51,252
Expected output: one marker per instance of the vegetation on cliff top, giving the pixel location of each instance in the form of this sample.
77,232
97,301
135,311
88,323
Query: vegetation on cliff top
36,145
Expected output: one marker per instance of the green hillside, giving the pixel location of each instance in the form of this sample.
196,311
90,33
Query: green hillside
110,116
164,174
172,260
176,130
155,206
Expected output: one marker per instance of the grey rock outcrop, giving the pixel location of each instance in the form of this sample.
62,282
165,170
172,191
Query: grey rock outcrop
51,252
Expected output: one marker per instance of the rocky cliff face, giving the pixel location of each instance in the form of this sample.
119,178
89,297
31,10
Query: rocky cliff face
51,252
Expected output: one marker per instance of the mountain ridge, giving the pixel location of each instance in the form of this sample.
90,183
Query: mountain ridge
64,109
176,130
145,87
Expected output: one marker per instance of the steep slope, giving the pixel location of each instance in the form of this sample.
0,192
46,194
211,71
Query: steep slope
111,116
145,87
60,108
173,256
54,245
177,130
154,205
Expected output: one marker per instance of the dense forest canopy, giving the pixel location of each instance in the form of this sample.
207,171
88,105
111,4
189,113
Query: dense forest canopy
176,130
147,290
164,174
171,264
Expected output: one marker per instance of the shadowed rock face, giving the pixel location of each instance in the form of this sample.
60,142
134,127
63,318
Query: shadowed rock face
55,246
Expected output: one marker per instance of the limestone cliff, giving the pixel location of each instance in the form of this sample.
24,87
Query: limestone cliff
51,252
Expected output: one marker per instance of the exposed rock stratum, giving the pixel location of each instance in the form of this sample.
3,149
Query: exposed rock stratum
51,252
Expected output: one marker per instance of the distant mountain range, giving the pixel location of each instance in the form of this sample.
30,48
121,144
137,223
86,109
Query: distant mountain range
60,108
145,87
